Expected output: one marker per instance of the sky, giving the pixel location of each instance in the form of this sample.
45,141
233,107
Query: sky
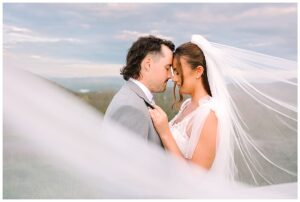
83,40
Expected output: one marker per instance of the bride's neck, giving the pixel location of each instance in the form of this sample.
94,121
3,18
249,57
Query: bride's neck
198,94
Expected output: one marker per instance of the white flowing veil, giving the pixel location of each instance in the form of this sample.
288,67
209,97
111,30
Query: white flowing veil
256,98
55,146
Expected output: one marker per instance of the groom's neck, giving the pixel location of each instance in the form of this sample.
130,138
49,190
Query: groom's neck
145,83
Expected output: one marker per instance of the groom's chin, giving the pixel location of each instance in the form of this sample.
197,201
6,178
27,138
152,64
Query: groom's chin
161,90
164,88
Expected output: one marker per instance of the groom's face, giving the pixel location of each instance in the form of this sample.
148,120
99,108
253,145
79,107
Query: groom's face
160,70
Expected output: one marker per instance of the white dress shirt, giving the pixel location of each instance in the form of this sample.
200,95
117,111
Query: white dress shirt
144,89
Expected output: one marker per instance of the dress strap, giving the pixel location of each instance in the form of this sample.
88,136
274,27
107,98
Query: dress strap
185,103
211,103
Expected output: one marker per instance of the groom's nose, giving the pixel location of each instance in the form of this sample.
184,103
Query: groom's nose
169,75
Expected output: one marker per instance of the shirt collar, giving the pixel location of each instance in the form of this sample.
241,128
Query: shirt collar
143,88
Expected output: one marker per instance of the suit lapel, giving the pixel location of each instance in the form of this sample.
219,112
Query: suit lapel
138,91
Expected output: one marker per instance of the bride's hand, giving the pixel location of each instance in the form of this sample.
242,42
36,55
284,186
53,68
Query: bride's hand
159,119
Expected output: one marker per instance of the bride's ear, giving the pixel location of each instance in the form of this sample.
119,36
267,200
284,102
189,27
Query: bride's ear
199,71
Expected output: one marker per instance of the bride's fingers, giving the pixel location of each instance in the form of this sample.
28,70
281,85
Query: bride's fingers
157,108
155,115
160,110
152,113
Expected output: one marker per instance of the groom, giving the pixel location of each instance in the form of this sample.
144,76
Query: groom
147,71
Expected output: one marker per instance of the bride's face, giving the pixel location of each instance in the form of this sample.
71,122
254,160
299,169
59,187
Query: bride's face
183,75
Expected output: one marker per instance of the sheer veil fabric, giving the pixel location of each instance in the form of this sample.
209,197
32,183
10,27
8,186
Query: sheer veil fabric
255,99
55,146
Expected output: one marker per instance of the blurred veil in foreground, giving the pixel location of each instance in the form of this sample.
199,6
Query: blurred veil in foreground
55,146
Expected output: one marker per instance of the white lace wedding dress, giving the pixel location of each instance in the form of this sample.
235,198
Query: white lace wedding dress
186,130
183,130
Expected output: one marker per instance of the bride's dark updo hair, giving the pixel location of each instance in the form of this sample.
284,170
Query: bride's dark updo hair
194,57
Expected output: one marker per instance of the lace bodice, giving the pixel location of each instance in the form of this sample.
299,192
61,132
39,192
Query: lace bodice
186,132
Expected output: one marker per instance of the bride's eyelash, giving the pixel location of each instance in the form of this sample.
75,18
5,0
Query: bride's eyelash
175,72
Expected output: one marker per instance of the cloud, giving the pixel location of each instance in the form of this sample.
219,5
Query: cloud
221,15
267,12
53,67
106,10
127,35
13,35
102,32
85,26
272,41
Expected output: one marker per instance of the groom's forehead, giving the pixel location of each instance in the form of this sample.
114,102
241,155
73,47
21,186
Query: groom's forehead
167,57
166,50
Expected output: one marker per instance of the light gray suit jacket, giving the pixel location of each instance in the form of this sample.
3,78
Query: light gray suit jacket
129,108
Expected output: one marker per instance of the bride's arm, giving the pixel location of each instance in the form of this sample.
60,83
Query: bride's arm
204,154
160,121
170,143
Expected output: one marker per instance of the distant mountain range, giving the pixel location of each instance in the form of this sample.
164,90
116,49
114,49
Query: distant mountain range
93,84
101,84
90,84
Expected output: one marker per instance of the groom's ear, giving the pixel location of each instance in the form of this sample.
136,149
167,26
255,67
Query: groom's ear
146,63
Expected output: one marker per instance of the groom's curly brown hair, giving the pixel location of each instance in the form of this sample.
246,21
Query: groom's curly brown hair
138,51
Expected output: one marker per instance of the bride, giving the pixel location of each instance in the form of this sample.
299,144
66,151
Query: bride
208,129
190,75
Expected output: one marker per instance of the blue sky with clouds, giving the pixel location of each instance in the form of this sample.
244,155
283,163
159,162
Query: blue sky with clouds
82,39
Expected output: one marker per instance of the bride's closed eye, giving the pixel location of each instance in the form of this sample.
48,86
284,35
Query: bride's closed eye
174,71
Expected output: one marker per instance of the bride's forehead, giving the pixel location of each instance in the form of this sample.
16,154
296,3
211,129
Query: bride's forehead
176,60
179,61
174,64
